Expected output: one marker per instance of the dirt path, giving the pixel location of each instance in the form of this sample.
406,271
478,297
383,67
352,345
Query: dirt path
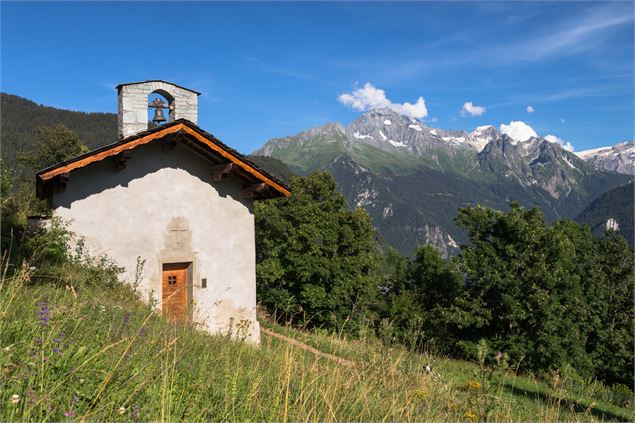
308,348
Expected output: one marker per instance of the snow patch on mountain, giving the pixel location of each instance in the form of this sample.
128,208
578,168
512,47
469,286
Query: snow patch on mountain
359,136
618,158
611,224
397,143
454,140
585,154
482,135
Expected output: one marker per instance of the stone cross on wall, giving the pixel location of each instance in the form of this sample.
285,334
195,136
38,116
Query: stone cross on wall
178,228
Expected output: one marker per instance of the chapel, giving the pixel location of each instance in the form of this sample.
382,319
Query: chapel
172,205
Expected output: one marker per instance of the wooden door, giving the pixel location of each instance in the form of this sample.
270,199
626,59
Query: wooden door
174,295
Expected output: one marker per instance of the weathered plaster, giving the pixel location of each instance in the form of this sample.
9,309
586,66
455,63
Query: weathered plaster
135,212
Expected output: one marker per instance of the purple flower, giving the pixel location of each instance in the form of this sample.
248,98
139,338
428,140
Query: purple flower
58,343
70,413
44,313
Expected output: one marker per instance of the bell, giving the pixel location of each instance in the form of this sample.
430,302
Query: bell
158,116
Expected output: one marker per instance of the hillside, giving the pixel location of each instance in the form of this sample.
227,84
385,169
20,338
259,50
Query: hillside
614,210
81,348
273,166
412,178
21,117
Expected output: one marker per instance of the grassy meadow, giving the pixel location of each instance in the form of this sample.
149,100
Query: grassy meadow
72,350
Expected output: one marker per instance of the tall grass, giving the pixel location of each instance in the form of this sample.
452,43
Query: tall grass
73,349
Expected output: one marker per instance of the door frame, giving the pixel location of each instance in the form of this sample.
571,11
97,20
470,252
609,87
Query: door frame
188,265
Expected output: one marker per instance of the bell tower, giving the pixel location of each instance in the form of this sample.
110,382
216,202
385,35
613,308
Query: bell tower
182,103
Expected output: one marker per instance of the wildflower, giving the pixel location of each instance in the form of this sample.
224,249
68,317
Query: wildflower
470,416
15,398
44,313
122,410
472,384
57,343
70,413
82,381
499,355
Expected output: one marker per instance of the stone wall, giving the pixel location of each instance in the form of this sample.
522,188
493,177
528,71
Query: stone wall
133,105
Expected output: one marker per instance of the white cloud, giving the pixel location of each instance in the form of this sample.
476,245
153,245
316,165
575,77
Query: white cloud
562,120
530,109
518,130
368,97
565,144
473,110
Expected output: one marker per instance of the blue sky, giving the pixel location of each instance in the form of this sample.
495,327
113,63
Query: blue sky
273,69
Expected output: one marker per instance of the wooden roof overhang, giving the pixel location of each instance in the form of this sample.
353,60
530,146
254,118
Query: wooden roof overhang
257,183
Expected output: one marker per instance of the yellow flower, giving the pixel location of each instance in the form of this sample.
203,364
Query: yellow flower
122,410
472,384
470,416
15,398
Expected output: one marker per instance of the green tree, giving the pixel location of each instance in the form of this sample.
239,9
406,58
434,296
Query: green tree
316,258
53,144
542,293
612,348
421,288
18,200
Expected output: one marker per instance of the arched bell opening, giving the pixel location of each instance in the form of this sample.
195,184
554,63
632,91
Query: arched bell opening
160,108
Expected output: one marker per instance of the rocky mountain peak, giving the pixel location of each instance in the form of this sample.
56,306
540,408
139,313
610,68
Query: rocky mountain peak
618,158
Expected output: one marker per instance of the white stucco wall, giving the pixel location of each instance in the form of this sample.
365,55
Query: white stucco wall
129,213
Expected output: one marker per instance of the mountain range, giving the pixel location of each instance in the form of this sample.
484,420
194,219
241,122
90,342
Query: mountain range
412,178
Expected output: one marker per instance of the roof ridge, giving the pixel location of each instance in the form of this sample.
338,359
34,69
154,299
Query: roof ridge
156,80
41,175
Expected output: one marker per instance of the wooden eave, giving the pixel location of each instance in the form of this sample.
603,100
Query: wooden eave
179,131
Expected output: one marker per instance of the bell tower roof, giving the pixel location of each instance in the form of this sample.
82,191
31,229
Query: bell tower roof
118,87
